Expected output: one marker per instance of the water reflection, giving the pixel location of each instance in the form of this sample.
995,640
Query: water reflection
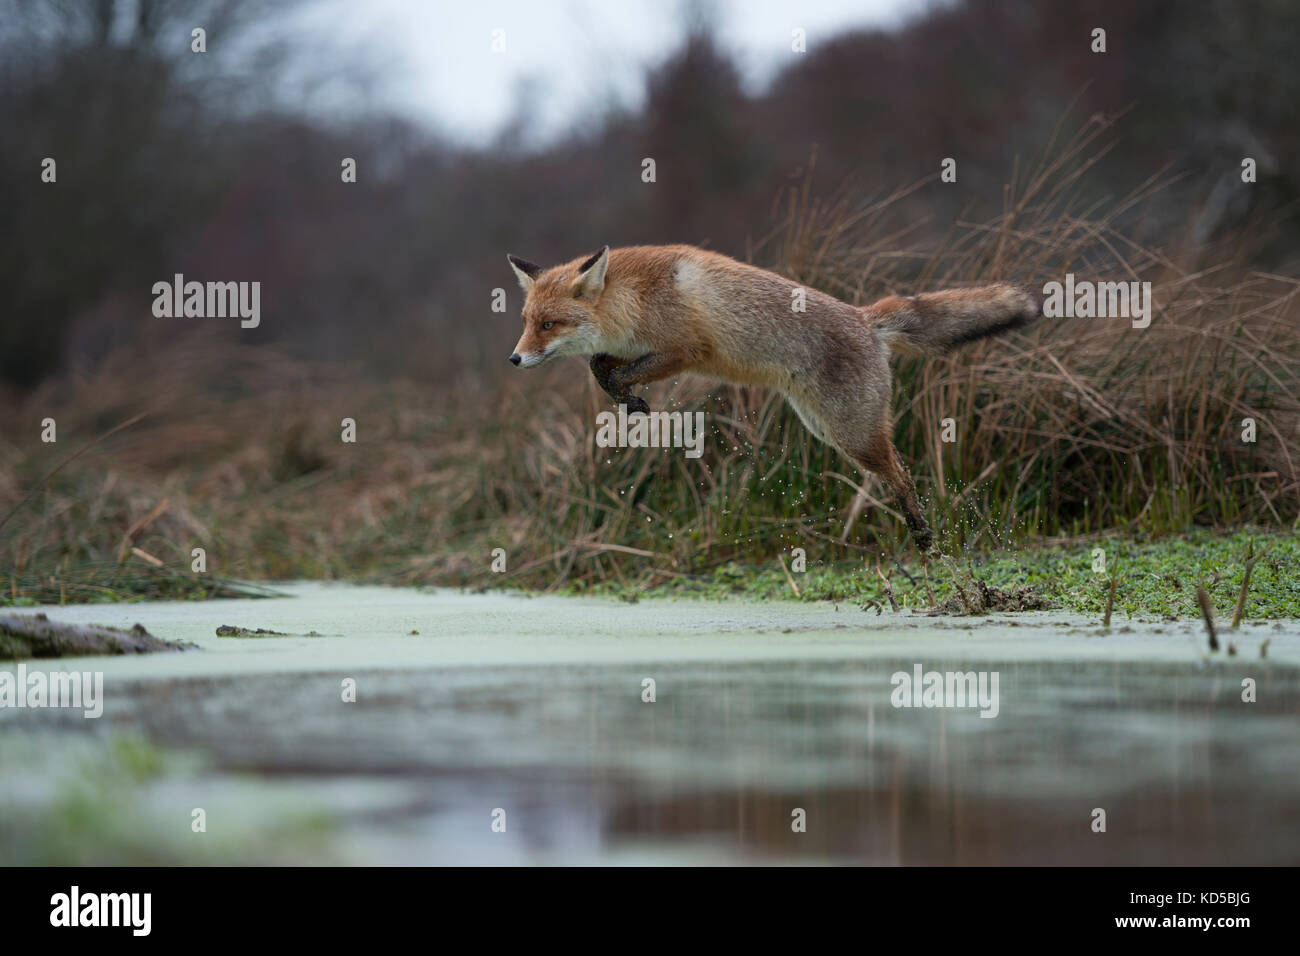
713,769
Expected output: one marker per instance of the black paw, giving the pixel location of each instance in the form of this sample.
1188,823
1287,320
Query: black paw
635,403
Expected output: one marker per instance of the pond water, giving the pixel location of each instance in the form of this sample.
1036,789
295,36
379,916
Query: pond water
533,715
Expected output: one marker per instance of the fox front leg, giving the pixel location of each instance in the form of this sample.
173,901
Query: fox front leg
606,369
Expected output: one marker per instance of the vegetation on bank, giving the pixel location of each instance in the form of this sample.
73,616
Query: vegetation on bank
1154,578
113,583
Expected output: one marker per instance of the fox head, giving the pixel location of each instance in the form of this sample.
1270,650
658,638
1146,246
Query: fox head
559,309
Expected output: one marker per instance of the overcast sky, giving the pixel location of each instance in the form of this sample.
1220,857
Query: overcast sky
433,59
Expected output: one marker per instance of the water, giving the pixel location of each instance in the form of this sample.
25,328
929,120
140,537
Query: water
533,708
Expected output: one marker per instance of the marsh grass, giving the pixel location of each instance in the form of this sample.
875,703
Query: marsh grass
1074,428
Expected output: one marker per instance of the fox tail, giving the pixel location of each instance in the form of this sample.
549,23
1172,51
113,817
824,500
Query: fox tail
936,323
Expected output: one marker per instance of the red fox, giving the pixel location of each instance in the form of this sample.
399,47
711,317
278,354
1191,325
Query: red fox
646,313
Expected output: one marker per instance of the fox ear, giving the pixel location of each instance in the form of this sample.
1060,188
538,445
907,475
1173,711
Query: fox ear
525,272
591,275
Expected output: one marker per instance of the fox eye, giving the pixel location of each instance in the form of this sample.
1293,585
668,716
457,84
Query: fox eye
547,325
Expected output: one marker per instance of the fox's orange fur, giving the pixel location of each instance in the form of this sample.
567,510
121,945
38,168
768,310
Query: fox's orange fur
646,313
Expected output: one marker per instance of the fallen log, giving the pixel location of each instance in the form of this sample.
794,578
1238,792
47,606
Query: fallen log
35,635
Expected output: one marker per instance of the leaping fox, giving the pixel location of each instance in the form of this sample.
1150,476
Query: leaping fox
646,313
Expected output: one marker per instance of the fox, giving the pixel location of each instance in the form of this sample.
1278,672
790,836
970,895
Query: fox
641,314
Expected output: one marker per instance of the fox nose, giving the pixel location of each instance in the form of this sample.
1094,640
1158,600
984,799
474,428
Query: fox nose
515,359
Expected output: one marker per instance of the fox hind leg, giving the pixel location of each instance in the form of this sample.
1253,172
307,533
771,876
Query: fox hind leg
878,455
